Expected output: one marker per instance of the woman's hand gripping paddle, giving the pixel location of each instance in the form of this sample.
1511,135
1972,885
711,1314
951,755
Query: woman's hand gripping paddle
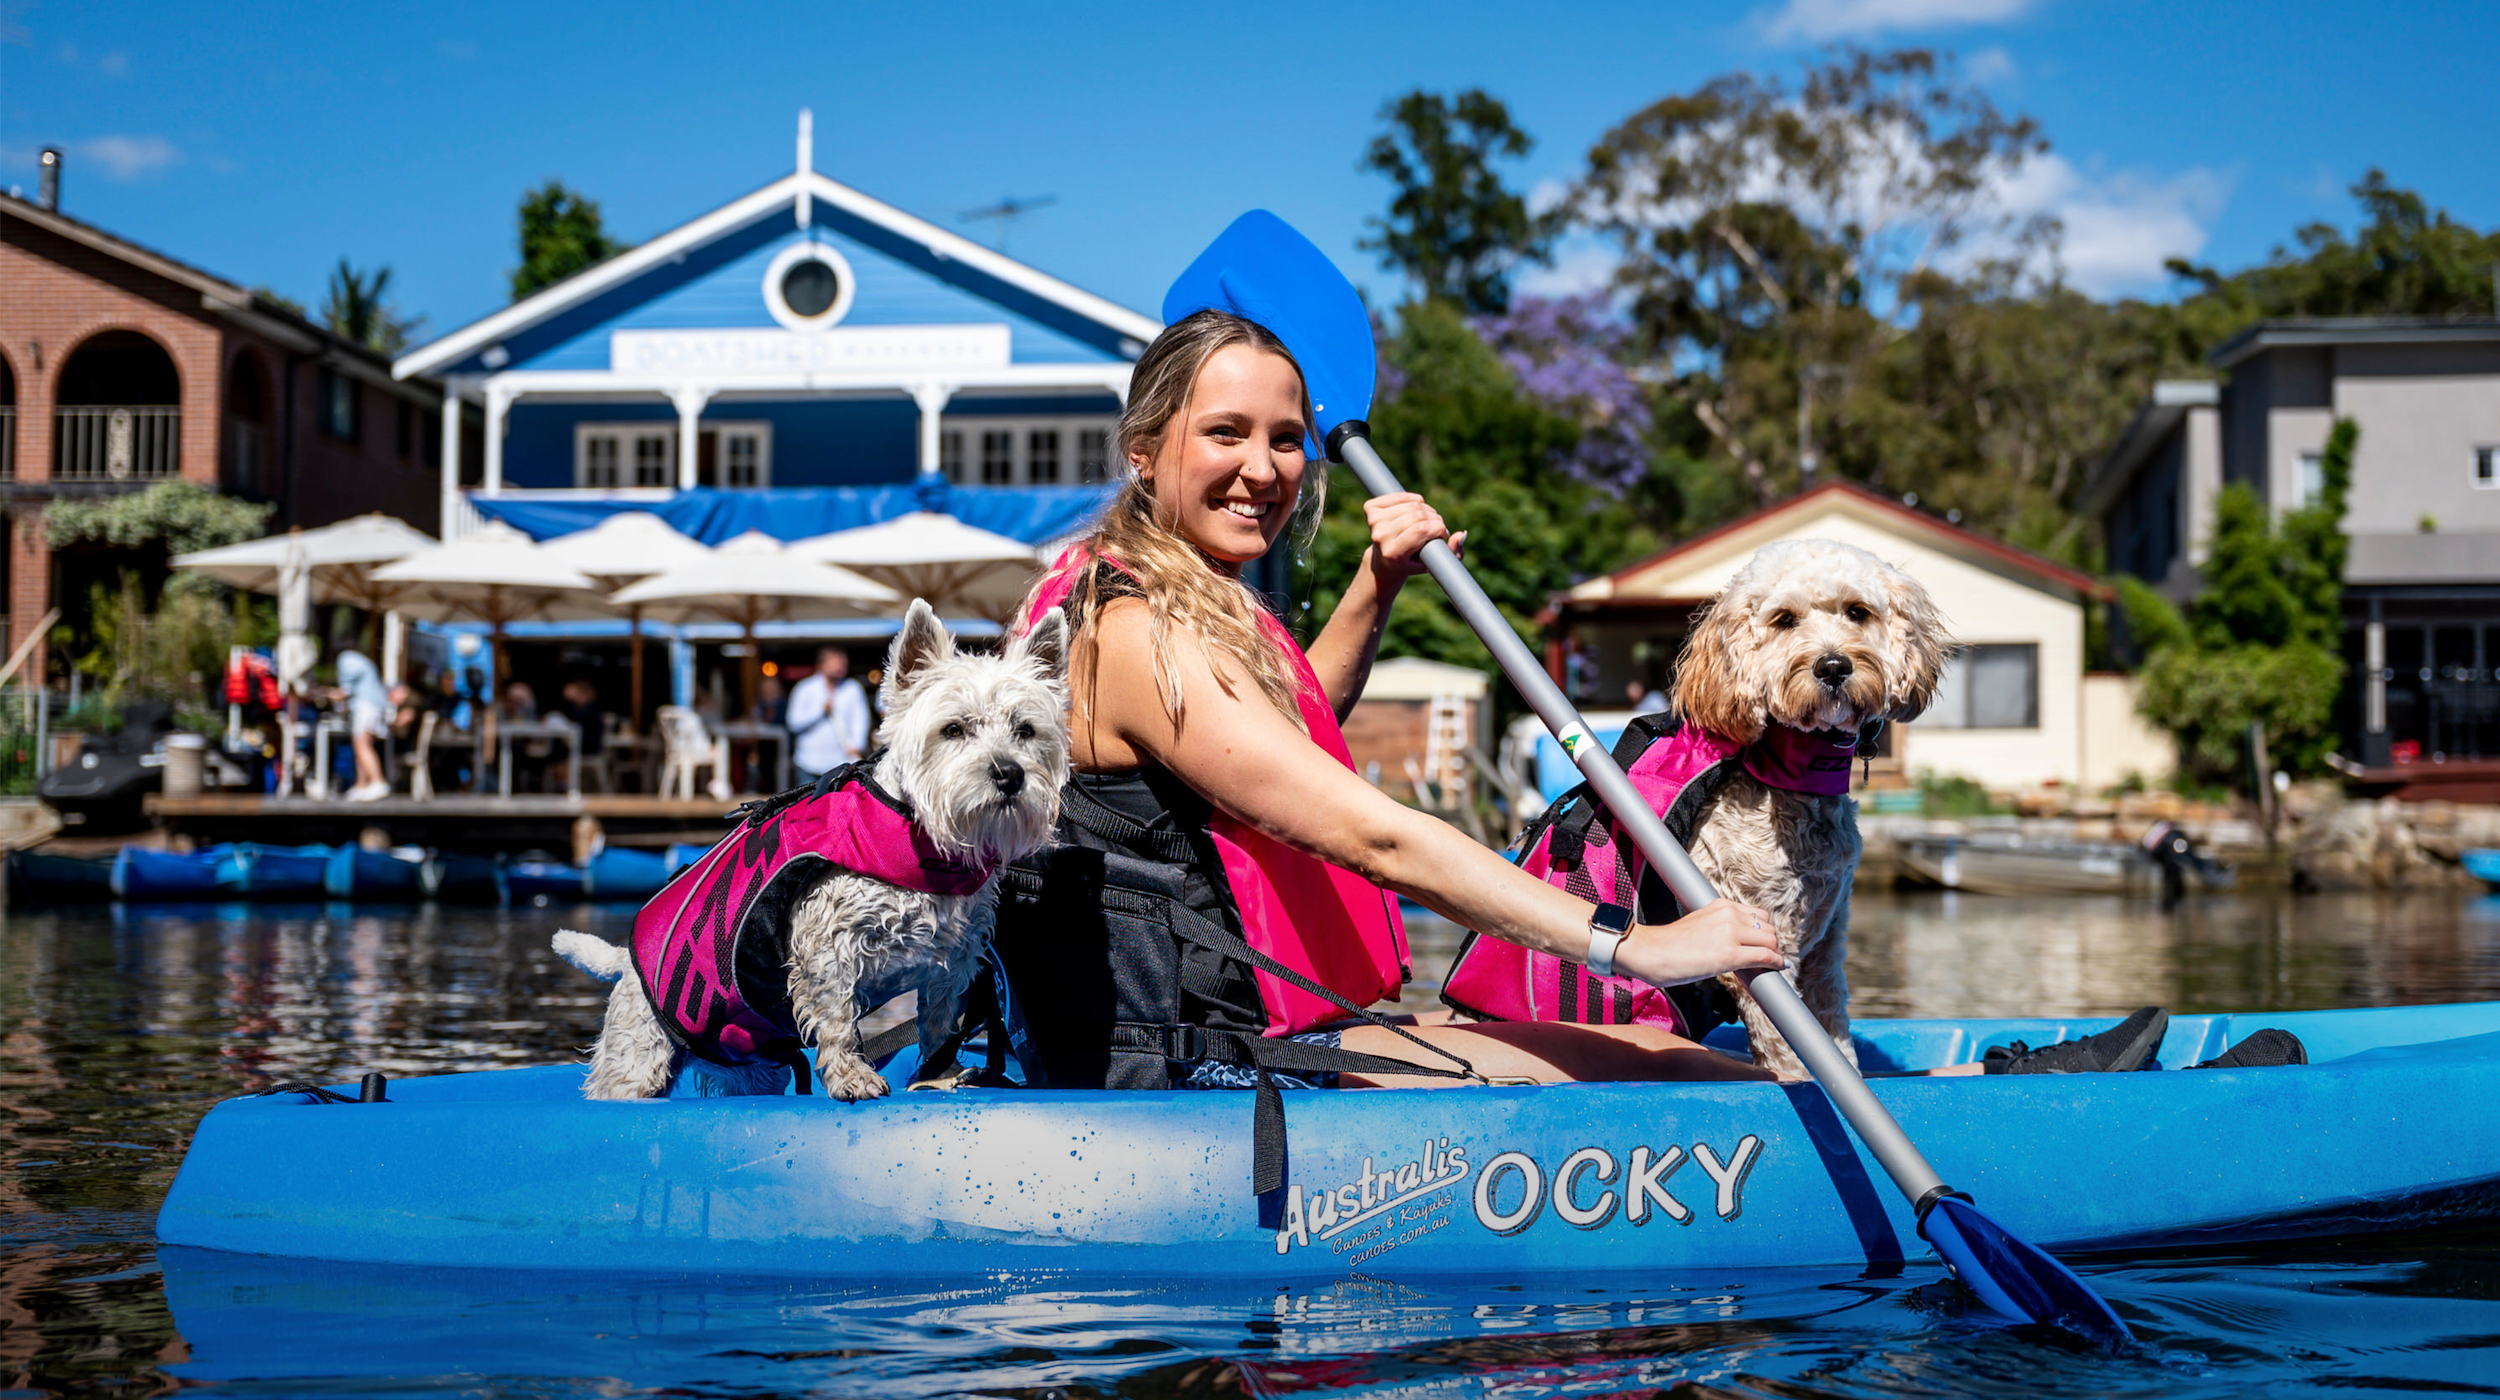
1261,269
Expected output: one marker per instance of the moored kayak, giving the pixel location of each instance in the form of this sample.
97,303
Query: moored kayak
144,873
354,873
2390,1127
529,880
2481,863
250,871
619,875
36,877
457,877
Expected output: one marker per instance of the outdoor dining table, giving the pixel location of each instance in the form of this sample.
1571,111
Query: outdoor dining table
753,732
508,730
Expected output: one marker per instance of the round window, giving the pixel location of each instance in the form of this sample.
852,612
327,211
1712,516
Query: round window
809,288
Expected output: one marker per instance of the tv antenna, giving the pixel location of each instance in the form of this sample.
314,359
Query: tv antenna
1007,211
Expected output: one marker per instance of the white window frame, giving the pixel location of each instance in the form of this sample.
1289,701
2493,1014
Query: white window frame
960,446
625,436
2483,468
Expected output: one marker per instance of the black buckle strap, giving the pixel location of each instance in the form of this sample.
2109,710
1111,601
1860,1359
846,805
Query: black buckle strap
1082,808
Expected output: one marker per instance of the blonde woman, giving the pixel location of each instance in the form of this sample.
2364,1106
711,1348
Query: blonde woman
1222,903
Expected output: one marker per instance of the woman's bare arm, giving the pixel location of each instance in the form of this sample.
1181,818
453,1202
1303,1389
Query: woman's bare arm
1242,755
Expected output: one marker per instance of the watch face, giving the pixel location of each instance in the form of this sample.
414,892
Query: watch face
1613,918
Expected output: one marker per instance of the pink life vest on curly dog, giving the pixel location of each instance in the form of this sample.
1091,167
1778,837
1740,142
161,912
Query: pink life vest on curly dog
1676,769
1331,925
716,966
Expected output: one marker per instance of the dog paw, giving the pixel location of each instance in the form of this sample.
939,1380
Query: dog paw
853,1082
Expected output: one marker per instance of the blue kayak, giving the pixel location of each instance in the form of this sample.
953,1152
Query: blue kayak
142,873
454,877
528,880
36,877
2395,1125
376,877
625,876
2482,863
249,871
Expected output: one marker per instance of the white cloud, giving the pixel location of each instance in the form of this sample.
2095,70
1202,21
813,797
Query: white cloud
1581,265
462,49
1819,20
2119,227
1992,65
127,157
115,64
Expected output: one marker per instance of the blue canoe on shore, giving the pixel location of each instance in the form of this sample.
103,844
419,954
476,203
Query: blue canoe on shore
2394,1126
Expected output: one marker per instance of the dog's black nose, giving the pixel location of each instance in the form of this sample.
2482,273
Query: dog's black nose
1832,668
1007,777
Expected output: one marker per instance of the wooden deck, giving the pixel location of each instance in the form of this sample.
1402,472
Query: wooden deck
551,822
2457,780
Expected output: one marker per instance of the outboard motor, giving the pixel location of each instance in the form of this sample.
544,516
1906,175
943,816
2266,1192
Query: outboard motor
2175,853
102,789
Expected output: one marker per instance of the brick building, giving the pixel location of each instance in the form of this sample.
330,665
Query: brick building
121,367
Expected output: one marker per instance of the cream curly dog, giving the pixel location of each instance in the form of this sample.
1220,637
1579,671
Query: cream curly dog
1813,635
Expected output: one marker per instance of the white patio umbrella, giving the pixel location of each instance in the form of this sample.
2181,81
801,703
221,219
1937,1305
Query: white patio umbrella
750,580
340,558
497,576
929,554
629,545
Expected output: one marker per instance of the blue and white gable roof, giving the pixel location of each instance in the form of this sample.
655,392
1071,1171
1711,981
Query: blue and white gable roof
868,288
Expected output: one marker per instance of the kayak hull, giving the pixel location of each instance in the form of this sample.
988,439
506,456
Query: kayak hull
2396,1126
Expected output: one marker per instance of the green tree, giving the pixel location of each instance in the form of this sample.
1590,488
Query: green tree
1459,430
561,234
356,308
2261,641
1453,226
179,517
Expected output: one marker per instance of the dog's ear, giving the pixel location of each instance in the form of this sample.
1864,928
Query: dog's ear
1919,646
923,642
1712,687
1045,647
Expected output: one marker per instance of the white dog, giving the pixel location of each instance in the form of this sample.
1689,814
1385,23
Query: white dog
976,751
1815,636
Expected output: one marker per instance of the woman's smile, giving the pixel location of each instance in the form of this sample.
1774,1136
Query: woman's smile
1230,464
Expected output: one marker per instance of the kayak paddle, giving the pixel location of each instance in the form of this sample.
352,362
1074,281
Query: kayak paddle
1264,271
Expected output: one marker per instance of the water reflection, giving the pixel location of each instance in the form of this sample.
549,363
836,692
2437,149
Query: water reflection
118,1027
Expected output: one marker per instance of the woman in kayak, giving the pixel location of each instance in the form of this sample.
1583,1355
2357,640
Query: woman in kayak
1225,881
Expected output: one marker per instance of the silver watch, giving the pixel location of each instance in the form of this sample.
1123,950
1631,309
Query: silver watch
1607,926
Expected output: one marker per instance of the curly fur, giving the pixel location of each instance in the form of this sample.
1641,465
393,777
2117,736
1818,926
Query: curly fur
978,745
1751,662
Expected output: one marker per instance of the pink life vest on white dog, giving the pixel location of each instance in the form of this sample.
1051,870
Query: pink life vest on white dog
716,967
1675,768
1331,925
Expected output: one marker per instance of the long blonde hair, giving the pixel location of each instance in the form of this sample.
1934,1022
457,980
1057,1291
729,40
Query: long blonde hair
1181,592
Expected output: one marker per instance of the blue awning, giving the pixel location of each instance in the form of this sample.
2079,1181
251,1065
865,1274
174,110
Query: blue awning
1033,514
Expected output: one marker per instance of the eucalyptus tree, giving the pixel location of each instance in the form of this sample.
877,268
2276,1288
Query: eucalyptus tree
1453,226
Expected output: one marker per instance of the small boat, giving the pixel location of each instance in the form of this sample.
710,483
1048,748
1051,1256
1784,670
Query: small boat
454,877
2012,865
376,877
36,877
527,880
683,854
250,871
2482,863
2390,1127
622,876
144,873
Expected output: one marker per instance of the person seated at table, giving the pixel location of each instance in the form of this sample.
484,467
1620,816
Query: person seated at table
770,704
580,707
368,704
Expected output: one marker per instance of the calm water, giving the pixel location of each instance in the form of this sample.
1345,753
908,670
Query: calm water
119,1028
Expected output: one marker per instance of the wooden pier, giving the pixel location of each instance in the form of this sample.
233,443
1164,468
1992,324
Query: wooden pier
555,822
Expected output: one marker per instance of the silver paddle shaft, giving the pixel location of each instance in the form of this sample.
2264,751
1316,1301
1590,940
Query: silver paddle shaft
1848,1093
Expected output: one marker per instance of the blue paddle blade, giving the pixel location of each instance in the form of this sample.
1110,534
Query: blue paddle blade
1263,271
2014,1278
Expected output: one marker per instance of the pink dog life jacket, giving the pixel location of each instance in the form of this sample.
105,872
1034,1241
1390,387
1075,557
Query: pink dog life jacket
1331,925
712,947
1677,769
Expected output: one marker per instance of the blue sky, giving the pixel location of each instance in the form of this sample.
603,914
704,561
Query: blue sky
262,141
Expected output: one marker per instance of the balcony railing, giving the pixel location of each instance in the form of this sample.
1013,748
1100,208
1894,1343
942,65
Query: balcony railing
8,443
138,443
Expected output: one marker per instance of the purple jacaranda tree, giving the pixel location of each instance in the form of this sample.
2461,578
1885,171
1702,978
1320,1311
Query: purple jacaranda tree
1569,355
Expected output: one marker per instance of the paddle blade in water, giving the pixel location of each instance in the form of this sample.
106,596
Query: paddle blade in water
1262,270
2014,1278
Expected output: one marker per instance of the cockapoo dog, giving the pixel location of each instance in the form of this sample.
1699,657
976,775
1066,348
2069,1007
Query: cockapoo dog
977,748
1814,635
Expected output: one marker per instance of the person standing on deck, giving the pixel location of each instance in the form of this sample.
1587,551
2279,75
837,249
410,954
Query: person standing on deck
828,717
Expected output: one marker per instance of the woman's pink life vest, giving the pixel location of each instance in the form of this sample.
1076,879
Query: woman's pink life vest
1676,768
712,947
1329,924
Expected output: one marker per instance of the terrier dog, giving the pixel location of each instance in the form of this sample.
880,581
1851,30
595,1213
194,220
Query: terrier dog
1819,637
976,752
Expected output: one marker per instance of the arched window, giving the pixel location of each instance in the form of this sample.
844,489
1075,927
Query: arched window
119,417
247,434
